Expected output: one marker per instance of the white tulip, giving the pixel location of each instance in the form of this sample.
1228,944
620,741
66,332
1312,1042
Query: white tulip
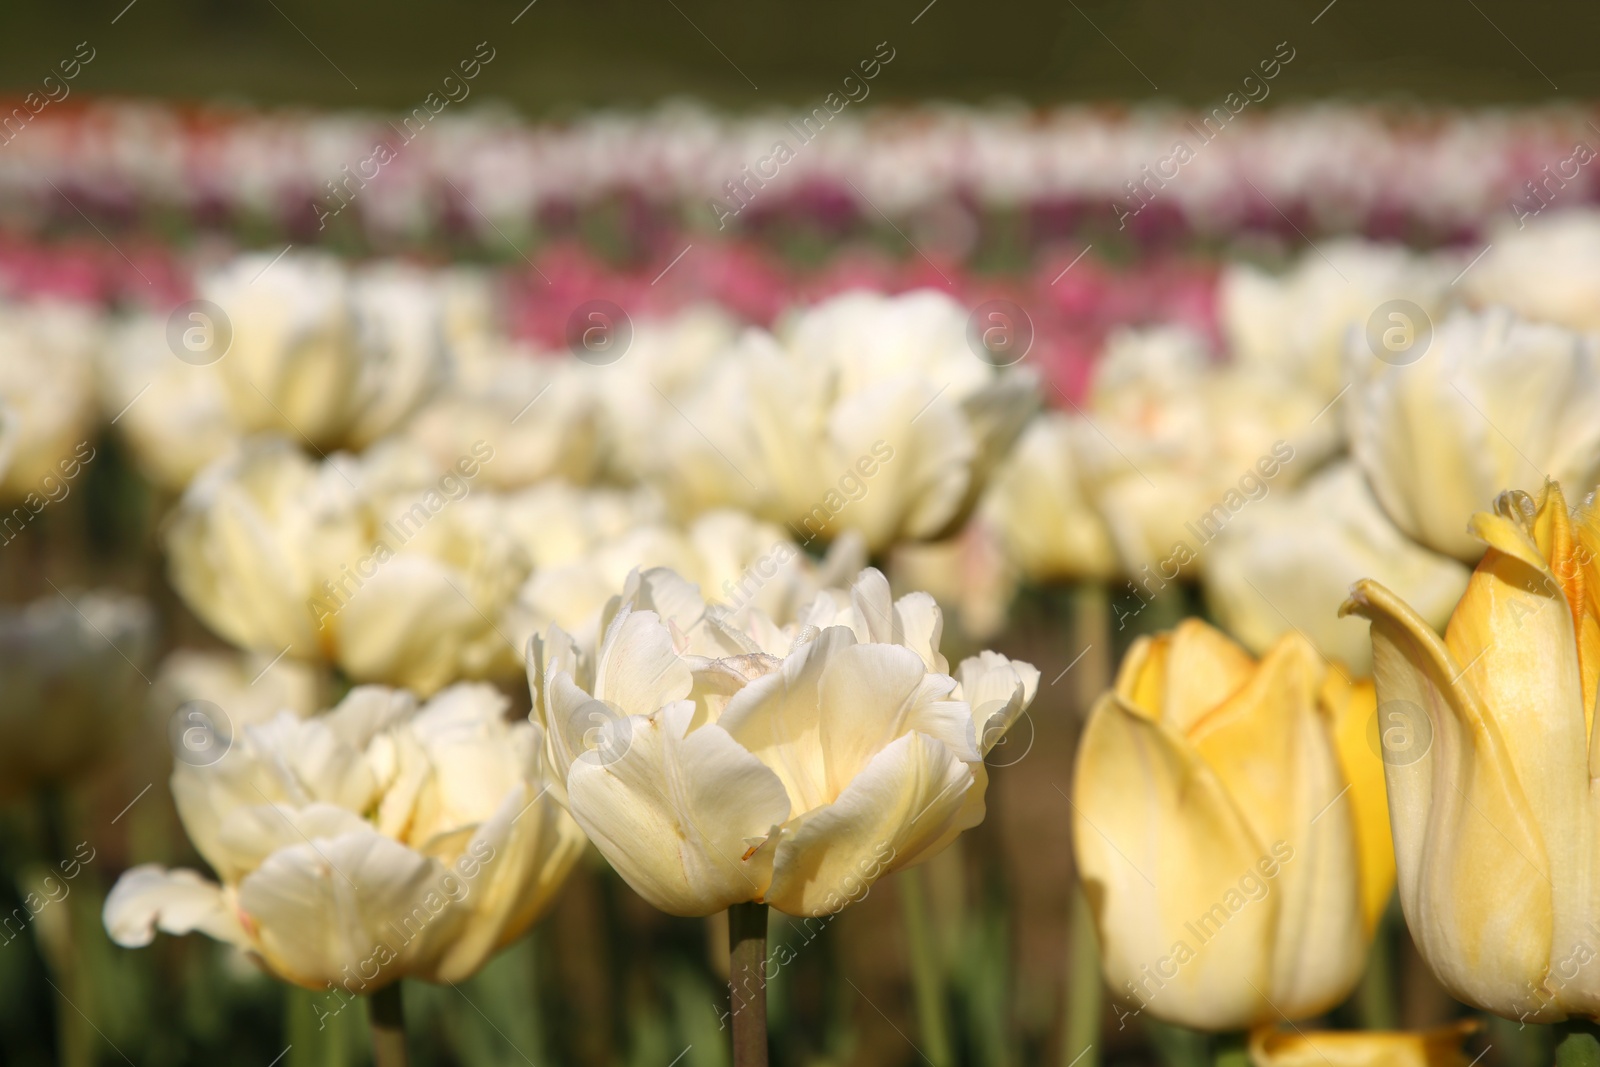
1288,562
1493,403
715,758
375,842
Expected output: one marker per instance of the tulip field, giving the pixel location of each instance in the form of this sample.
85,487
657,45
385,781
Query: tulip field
891,584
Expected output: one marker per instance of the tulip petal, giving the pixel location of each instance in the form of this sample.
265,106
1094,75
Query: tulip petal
1353,708
902,802
1171,871
150,897
673,813
1474,875
1441,1047
638,669
999,690
1274,754
359,904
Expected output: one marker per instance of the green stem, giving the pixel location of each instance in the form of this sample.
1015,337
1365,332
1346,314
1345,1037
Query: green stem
1377,998
927,978
56,936
387,1013
747,983
1177,1046
1085,992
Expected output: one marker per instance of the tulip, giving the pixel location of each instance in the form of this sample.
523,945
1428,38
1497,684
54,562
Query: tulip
1440,1047
1038,505
365,564
1545,269
378,841
1298,324
72,667
319,355
174,416
868,413
46,400
1171,447
1493,402
1230,830
251,686
540,414
1488,747
716,758
1287,562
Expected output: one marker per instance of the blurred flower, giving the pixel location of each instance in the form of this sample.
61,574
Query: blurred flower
1439,1047
47,401
539,412
1172,447
1490,777
72,668
867,413
1546,269
374,842
174,415
1493,402
1230,830
714,757
337,561
321,355
1038,507
248,686
1298,324
1288,563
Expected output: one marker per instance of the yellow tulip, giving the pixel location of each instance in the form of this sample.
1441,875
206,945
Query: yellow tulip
1439,1047
1230,830
1488,756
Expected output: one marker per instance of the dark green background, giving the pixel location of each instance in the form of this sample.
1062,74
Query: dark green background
568,54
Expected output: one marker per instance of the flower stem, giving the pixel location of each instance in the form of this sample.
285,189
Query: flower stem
388,1016
927,979
747,983
1085,992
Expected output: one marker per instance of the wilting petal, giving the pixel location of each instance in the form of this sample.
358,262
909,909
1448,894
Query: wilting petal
903,801
681,817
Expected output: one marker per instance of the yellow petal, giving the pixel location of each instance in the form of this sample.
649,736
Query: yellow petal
1170,868
1353,708
1273,751
1441,1047
1474,876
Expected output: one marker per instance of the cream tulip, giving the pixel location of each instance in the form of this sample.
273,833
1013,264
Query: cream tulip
1038,506
716,758
375,842
1298,324
320,355
47,401
1492,797
340,561
868,413
1493,402
1171,447
1287,563
1230,832
1546,269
